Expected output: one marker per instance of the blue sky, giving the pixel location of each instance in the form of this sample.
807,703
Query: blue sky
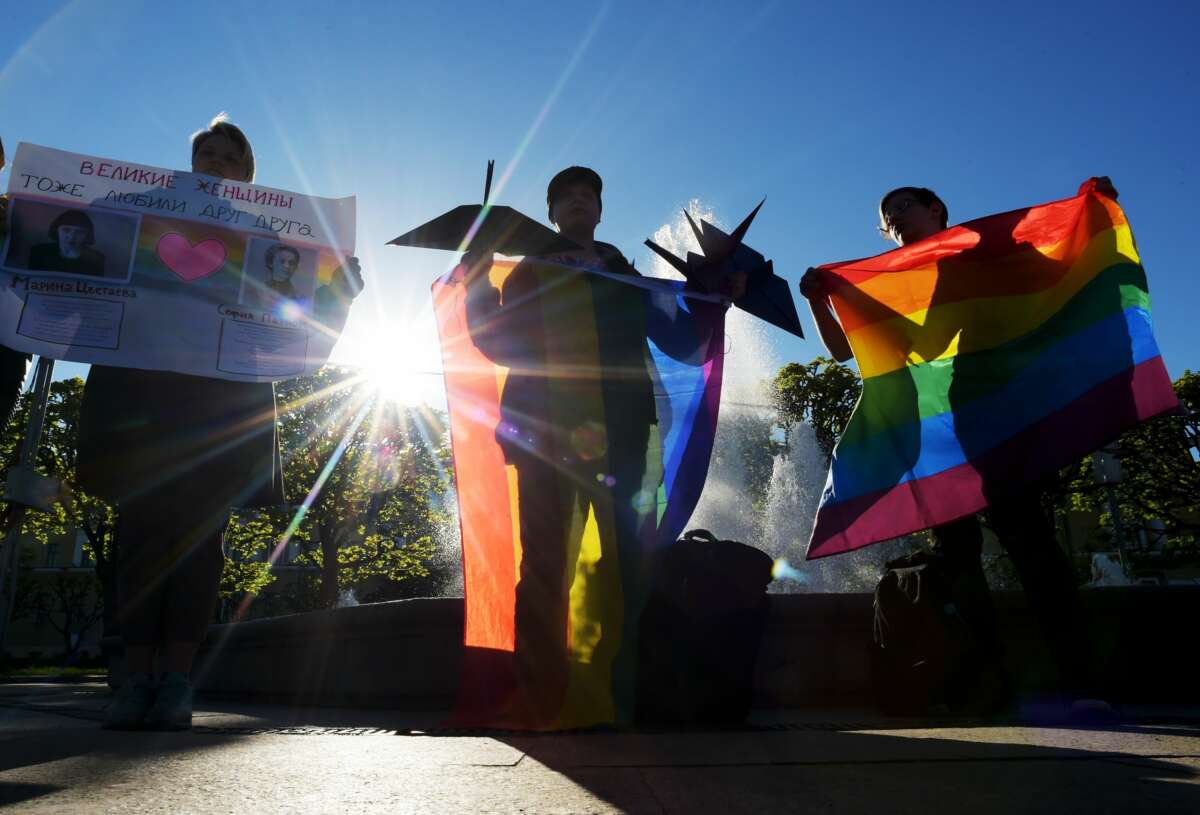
820,110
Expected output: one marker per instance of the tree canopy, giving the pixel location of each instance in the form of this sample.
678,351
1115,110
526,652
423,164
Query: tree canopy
367,477
822,393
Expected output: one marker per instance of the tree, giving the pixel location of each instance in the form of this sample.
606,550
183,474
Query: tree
249,542
369,478
1161,478
72,601
76,509
822,393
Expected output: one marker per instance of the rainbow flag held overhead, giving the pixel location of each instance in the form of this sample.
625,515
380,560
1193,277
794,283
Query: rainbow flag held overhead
991,354
582,411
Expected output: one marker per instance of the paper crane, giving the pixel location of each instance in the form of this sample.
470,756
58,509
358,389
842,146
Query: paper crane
767,296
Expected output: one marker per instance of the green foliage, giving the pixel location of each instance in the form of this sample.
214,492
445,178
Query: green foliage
822,393
73,601
57,455
249,541
370,476
378,474
1161,479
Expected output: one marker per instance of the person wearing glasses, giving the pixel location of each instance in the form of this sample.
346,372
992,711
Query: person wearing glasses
1017,515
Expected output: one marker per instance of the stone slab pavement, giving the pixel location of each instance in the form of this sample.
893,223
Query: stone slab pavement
244,758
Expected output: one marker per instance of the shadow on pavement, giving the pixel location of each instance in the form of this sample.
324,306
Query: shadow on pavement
849,762
16,793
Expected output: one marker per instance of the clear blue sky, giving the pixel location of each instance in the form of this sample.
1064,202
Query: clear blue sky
819,110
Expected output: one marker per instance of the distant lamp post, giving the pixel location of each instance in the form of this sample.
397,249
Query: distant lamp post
1106,469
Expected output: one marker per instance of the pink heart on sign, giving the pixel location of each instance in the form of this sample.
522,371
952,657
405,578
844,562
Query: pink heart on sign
187,261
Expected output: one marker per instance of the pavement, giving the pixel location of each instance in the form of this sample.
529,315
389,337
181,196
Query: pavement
243,758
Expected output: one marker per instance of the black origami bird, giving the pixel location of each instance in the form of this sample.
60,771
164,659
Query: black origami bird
486,228
767,296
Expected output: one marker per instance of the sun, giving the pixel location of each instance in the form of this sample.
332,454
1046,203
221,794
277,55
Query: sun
403,363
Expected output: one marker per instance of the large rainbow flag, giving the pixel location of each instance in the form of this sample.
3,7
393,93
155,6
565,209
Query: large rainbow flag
582,413
991,354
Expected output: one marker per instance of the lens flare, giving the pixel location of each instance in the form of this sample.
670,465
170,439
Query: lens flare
782,570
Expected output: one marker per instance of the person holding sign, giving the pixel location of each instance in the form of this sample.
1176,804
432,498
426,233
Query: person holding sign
14,365
174,452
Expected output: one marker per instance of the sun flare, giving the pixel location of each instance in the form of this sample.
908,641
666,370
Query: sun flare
403,364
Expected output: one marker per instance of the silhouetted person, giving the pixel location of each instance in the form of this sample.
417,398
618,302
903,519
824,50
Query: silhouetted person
174,452
1015,510
576,414
13,364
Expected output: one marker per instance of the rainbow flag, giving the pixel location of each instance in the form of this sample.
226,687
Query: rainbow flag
991,355
582,414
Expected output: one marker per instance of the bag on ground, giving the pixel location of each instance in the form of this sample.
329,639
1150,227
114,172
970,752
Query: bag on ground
700,631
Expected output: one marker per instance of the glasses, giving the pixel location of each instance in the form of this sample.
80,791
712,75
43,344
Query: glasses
893,212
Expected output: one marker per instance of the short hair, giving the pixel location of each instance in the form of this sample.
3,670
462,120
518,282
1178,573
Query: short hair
221,126
275,248
73,217
924,196
569,177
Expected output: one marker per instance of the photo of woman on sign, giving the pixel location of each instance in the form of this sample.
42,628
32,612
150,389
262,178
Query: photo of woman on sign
71,235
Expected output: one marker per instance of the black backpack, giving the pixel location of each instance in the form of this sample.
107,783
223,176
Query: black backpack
926,652
700,631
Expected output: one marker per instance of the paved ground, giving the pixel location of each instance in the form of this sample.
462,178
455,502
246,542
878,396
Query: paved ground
264,759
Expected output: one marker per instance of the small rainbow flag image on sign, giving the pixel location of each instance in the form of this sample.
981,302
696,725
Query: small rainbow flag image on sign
184,251
991,354
582,414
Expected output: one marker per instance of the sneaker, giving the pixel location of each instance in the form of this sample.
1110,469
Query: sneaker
172,708
131,703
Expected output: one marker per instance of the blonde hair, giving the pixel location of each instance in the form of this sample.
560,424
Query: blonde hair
221,126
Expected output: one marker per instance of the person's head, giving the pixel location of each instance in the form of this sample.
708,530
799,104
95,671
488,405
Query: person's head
223,150
282,262
911,214
574,202
72,231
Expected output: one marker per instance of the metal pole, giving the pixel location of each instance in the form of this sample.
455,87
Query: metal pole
40,396
1118,528
1107,471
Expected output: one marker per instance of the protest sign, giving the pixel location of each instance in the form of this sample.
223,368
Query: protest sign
122,264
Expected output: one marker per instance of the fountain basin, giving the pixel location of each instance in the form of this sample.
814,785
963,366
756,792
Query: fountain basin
816,650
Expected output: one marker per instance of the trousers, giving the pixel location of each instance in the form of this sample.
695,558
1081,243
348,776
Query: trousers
169,564
1026,531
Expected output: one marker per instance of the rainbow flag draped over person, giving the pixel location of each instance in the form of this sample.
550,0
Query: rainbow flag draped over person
991,354
583,407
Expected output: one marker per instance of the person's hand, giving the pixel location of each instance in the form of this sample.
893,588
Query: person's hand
735,285
1103,185
477,262
812,285
348,277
